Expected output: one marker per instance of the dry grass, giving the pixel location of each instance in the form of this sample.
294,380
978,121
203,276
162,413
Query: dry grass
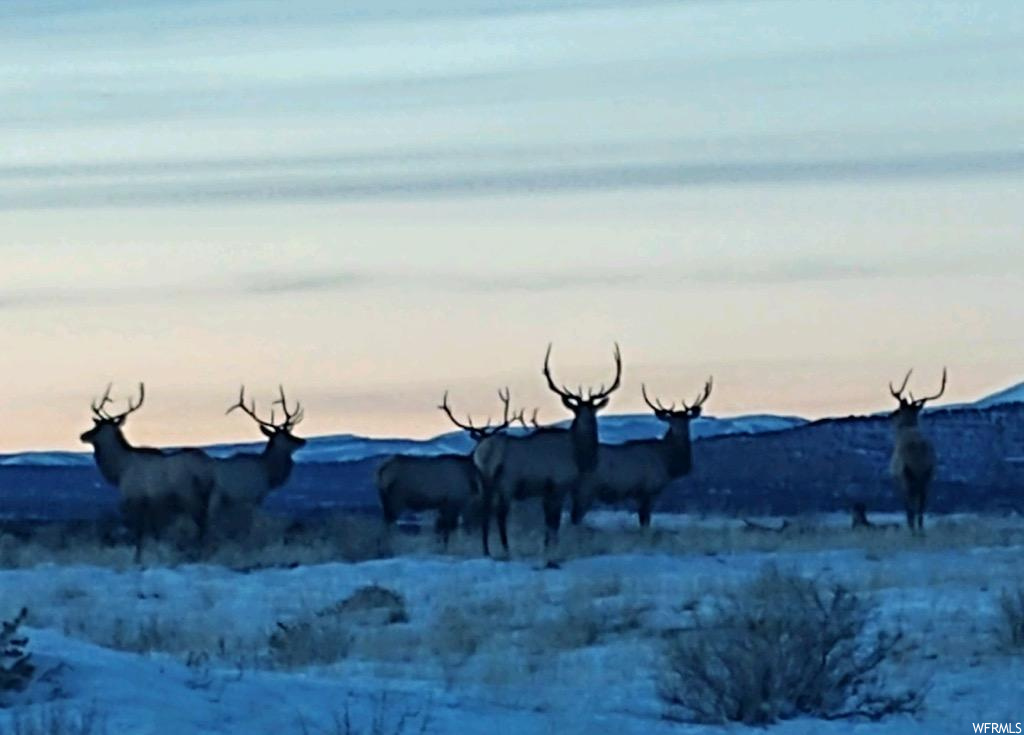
1010,627
55,720
280,542
327,635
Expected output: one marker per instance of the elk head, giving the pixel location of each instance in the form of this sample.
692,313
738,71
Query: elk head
479,433
279,434
677,439
584,408
909,407
679,417
105,424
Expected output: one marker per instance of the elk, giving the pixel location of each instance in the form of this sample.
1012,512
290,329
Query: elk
546,462
913,456
156,487
637,471
242,481
445,483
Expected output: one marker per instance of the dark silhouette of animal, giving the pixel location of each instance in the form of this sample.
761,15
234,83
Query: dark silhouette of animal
637,471
157,487
913,456
545,463
445,483
243,480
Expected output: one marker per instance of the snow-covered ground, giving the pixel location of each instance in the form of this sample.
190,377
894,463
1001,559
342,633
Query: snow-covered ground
484,646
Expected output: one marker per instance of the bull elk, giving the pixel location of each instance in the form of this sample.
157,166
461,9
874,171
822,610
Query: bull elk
913,456
546,462
243,480
156,487
446,483
637,471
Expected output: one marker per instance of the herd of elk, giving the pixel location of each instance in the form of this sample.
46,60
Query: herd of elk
160,488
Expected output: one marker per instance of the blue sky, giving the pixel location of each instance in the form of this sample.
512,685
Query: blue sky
373,201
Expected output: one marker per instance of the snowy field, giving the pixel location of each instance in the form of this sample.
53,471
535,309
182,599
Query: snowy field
431,642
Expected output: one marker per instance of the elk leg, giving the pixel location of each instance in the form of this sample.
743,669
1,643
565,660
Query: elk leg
485,521
447,520
910,515
552,515
502,514
643,511
578,511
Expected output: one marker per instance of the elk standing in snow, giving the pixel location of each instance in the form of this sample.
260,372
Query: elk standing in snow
156,487
547,462
445,483
637,471
913,456
242,481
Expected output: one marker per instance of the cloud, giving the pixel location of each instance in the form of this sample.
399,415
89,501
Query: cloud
274,284
259,187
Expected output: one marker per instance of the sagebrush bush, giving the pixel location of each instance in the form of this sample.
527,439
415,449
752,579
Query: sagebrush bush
782,647
1011,618
16,668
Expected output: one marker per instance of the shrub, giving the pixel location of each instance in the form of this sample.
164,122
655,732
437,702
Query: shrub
1011,618
16,667
779,648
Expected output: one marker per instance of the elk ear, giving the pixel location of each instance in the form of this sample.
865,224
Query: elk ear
119,420
598,405
695,412
266,432
571,403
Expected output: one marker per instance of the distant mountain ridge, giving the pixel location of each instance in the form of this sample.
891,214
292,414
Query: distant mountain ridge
352,448
614,429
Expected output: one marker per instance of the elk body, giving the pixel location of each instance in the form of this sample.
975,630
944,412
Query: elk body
637,471
913,456
156,487
243,481
445,483
545,463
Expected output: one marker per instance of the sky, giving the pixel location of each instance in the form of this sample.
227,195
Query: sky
372,202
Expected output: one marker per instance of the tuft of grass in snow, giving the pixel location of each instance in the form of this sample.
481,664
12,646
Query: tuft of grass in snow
385,718
780,647
55,720
1010,629
327,635
16,667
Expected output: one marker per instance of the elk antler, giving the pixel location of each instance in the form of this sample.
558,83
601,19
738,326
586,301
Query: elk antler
250,411
687,408
480,432
656,406
100,412
702,396
592,395
942,389
290,418
898,394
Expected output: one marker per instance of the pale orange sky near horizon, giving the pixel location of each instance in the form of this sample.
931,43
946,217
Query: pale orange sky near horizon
802,203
